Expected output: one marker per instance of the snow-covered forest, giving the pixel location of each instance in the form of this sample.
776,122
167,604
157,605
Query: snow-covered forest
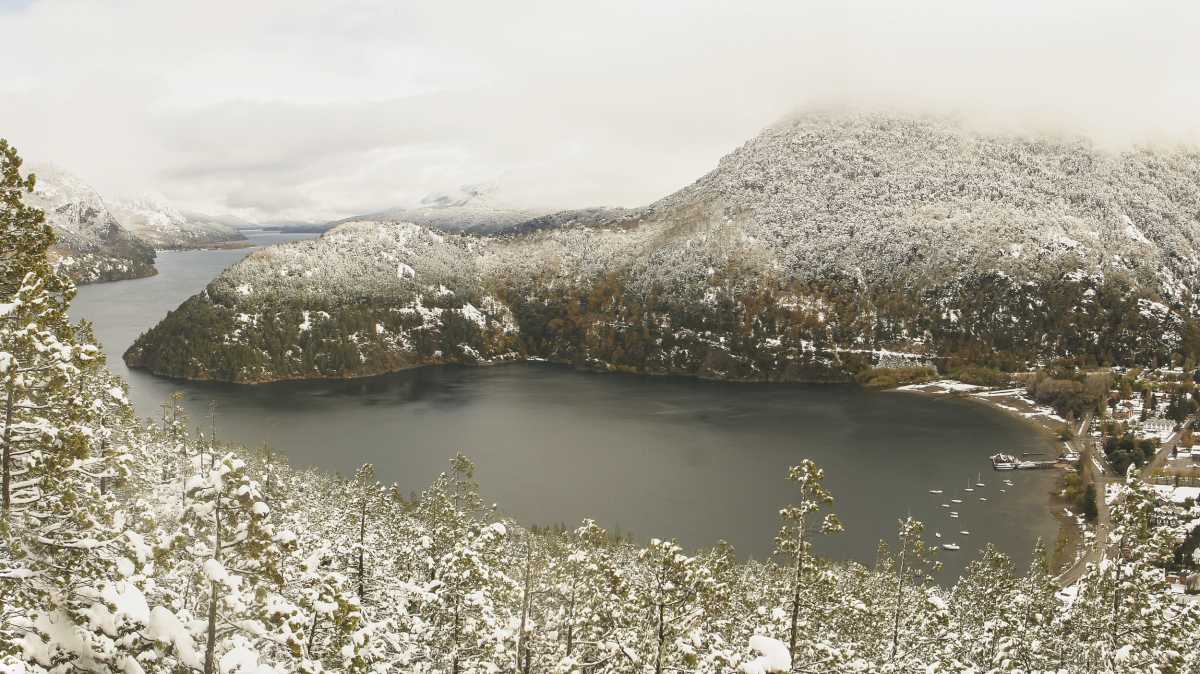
147,547
830,242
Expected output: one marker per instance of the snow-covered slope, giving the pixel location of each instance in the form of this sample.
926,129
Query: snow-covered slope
154,220
829,242
92,245
477,209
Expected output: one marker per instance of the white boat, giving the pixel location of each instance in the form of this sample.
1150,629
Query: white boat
1004,461
938,534
954,515
1003,491
965,533
945,505
956,500
982,498
977,481
935,491
951,546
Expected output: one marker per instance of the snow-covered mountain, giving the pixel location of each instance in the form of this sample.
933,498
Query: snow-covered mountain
92,245
475,209
157,222
830,242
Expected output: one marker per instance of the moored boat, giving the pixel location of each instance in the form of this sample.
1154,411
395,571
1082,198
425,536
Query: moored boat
1004,461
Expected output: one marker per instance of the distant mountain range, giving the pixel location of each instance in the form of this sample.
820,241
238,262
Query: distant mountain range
114,239
154,220
828,243
474,209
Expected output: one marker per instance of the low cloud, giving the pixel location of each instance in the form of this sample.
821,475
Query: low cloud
310,110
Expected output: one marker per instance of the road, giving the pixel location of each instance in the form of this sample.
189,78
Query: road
1097,471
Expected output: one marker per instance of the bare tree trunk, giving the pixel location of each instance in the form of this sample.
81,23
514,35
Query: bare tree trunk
662,637
362,539
312,634
899,598
662,623
455,665
525,601
796,592
571,620
6,459
211,648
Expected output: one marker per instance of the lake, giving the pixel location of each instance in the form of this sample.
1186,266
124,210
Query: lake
653,456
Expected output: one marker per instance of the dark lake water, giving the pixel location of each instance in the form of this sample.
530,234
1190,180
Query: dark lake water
656,457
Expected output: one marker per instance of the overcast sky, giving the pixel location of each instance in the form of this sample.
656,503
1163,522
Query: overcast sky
297,109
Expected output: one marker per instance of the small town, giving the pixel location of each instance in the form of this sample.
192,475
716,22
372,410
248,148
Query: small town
1110,422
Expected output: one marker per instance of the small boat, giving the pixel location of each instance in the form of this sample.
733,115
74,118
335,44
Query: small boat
956,500
945,505
954,516
1003,491
969,489
1004,461
938,534
977,481
935,491
951,546
982,498
965,533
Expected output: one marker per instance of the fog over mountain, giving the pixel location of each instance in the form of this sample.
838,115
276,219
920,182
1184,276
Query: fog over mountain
563,105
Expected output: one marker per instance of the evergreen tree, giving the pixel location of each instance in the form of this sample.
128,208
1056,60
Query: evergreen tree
794,542
233,564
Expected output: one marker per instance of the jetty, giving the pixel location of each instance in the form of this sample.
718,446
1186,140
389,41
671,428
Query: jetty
1010,462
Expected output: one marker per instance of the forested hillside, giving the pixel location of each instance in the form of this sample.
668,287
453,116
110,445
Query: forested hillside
831,242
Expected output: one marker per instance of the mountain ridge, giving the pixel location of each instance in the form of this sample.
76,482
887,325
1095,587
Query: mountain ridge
828,243
91,245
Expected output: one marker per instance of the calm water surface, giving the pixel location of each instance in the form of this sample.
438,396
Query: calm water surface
665,457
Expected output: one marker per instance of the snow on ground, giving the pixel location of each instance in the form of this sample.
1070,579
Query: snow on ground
774,656
942,386
1177,494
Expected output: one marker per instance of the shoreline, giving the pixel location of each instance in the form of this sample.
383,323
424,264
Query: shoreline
1063,550
501,360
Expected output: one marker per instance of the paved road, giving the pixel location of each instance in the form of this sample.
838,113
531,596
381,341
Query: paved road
1095,471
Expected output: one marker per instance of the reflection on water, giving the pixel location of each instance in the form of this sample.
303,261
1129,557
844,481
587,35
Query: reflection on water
701,461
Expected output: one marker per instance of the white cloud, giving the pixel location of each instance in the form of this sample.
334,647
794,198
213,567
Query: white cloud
311,110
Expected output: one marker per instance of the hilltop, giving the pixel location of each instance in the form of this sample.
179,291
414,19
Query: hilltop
828,243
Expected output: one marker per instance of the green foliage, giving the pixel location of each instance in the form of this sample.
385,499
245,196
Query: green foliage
981,376
1070,393
1089,503
891,377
